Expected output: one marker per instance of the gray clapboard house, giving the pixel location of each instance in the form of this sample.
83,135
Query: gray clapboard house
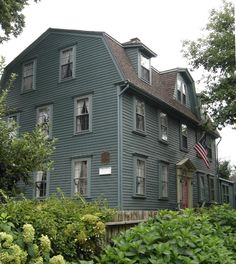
125,131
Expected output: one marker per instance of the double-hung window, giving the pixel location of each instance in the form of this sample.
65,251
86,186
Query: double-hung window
44,119
82,114
211,186
164,171
202,194
184,136
145,68
139,115
13,124
225,193
140,178
67,63
163,127
81,176
41,188
181,90
28,78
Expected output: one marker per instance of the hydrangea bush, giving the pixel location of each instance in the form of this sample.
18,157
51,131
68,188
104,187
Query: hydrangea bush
72,228
22,247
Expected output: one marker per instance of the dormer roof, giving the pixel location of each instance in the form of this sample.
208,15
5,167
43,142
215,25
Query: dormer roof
137,43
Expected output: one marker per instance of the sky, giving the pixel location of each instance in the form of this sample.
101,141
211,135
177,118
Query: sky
161,25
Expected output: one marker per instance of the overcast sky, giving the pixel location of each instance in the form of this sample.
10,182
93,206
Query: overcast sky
161,25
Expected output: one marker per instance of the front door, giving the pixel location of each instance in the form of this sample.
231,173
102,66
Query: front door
185,192
184,176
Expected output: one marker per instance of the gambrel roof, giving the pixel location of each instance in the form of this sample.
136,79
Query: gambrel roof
163,84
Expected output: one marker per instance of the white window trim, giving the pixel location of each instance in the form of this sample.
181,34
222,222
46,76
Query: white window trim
73,65
47,186
88,159
90,113
50,107
34,61
161,196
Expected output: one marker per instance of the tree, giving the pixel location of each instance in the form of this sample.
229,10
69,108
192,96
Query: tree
20,155
215,54
224,169
12,21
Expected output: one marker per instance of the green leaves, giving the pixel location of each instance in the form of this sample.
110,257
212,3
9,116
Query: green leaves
20,156
178,237
75,228
215,54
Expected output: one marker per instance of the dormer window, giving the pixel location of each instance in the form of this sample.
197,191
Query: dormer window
145,68
181,90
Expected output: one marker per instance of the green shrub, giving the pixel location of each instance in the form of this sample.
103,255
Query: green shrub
177,237
75,228
22,247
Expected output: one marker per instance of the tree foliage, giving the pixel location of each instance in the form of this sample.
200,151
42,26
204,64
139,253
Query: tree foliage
20,155
215,53
224,169
12,21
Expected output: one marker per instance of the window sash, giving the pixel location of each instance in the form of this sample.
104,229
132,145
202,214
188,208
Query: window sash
13,121
82,117
164,181
184,136
145,74
67,63
181,90
164,126
202,188
44,118
28,76
225,193
41,184
81,177
140,177
140,115
211,189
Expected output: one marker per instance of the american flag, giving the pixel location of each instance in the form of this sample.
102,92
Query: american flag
201,149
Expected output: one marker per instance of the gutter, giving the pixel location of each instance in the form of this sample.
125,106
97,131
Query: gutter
120,93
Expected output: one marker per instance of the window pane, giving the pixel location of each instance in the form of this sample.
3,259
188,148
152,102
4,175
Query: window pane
41,184
43,119
80,177
164,180
82,112
140,122
66,70
66,63
184,136
28,72
145,62
163,120
140,177
139,115
145,74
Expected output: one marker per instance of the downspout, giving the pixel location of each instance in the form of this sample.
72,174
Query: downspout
217,169
120,93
